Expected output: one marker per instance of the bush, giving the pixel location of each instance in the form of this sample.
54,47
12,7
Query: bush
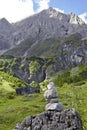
10,95
34,84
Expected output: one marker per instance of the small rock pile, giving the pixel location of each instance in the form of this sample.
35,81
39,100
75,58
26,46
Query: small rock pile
51,97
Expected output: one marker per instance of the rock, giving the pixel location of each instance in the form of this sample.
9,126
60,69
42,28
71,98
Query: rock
54,107
75,19
27,90
51,120
31,95
51,97
51,93
54,100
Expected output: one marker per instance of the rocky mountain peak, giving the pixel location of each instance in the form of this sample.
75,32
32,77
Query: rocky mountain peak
5,26
4,22
74,19
52,12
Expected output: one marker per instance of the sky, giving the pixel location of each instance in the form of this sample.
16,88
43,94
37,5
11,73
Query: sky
16,10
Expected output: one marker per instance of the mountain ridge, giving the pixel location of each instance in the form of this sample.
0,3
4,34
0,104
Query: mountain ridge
46,24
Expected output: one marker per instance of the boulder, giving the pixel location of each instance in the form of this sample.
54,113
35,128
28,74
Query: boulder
51,120
27,90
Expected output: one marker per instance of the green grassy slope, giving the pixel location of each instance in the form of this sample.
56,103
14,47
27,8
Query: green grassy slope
9,83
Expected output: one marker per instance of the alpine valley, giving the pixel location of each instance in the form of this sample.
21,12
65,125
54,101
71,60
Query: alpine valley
47,45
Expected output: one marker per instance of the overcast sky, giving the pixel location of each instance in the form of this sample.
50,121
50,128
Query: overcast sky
15,10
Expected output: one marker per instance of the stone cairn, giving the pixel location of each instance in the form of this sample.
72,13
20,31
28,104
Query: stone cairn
53,118
51,97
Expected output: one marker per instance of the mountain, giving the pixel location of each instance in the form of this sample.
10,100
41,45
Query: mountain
57,39
37,29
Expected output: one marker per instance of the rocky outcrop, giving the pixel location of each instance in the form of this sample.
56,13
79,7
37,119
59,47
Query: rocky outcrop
75,19
71,55
27,90
23,69
51,120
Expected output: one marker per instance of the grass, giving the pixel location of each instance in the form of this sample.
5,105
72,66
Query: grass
7,87
72,89
75,97
15,110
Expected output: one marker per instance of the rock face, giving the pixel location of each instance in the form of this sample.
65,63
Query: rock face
52,120
51,97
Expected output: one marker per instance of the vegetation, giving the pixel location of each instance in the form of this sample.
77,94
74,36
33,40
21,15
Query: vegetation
72,89
9,82
15,110
34,67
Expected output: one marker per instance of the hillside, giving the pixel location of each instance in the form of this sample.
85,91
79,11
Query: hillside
46,58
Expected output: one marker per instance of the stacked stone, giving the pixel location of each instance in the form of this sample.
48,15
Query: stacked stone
53,118
51,97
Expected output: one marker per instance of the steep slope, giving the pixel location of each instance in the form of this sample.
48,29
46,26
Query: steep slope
5,33
50,23
46,58
72,50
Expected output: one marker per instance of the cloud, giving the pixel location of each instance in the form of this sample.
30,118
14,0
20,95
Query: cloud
42,4
15,10
62,11
83,17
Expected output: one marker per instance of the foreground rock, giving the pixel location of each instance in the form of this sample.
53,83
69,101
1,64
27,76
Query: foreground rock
51,120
